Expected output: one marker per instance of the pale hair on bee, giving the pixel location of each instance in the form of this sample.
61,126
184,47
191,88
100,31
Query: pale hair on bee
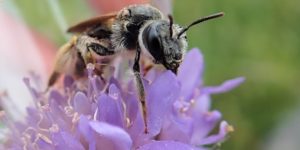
139,29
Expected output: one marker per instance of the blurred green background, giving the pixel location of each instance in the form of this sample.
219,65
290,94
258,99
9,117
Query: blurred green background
256,39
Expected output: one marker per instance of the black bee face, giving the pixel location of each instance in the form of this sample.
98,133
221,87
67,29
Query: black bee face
163,44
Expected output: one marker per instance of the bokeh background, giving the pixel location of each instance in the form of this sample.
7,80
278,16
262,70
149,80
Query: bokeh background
258,39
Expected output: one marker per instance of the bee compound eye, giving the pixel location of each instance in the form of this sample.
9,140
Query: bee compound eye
152,39
152,42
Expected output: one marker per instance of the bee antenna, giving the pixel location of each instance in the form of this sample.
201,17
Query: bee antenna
171,24
213,16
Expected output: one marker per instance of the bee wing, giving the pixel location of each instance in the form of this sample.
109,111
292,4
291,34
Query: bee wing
104,20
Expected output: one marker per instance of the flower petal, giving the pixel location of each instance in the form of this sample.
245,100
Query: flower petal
152,74
44,145
114,92
134,122
109,110
85,130
202,104
82,104
167,145
119,138
160,100
58,98
64,140
176,129
190,73
203,125
33,116
225,86
223,131
58,116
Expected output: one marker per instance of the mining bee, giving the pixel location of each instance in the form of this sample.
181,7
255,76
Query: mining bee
141,29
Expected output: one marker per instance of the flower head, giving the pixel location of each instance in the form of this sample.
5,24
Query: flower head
104,114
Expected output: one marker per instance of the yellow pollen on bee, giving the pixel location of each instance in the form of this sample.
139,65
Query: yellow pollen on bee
73,40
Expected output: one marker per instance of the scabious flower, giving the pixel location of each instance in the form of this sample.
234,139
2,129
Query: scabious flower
105,114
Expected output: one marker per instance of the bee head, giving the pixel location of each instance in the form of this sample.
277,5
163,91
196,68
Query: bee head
166,42
159,40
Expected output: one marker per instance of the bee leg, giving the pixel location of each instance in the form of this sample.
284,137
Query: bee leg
79,65
87,44
99,49
140,86
63,56
53,78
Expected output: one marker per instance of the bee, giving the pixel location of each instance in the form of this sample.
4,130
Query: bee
141,29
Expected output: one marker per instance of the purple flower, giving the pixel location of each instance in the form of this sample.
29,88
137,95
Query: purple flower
96,114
